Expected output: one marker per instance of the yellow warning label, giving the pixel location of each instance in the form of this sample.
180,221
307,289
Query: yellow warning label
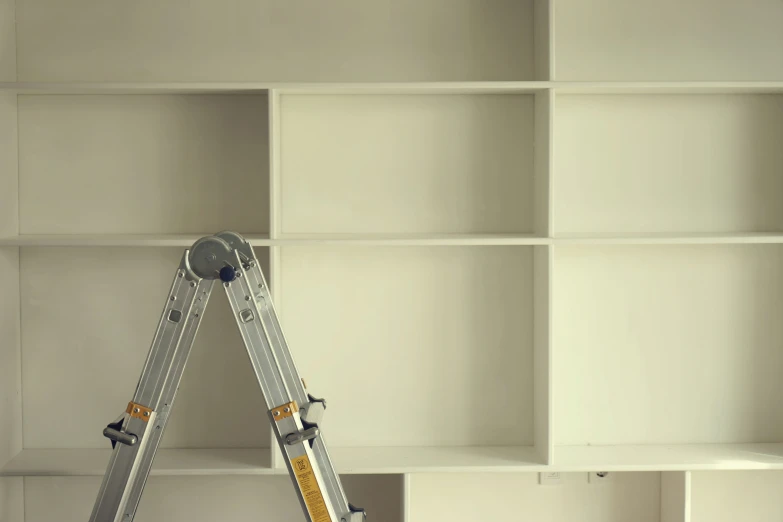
311,491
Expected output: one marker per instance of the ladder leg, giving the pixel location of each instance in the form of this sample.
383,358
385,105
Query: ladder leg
137,439
315,479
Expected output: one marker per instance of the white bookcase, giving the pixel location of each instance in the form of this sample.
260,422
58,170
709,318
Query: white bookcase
505,238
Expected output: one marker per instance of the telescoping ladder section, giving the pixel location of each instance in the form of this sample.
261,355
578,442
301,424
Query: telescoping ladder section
225,257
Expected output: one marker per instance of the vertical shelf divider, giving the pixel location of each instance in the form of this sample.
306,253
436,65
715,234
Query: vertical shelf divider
10,323
543,39
542,353
676,496
274,230
406,497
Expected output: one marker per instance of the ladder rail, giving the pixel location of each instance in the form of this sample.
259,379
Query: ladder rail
129,465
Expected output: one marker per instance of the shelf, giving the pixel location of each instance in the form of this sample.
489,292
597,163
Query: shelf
666,87
667,239
166,164
93,462
682,346
720,174
482,87
345,157
379,460
263,240
115,240
687,457
668,40
397,460
261,87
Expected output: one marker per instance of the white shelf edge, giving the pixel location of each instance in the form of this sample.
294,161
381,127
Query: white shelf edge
285,88
476,87
365,461
667,87
674,239
115,240
677,457
402,460
186,240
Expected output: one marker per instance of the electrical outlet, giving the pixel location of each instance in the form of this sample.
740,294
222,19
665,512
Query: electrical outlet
550,479
600,477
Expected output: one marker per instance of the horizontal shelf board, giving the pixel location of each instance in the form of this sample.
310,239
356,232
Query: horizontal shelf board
678,239
380,460
93,462
116,240
681,457
435,459
412,239
186,240
393,460
288,88
666,87
498,87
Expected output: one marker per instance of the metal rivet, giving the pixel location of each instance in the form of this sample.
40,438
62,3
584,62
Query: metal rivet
226,284
286,409
192,284
146,414
136,410
239,274
180,274
247,298
252,264
196,314
277,413
260,285
173,298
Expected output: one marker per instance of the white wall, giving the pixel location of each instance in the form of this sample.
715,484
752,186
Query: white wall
668,40
737,495
154,164
458,497
246,40
228,498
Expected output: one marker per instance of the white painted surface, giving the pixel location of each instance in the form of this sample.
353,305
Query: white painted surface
672,457
543,34
9,174
518,496
119,240
676,496
543,163
755,496
439,335
407,164
542,353
180,499
10,357
12,499
169,462
227,461
344,40
263,240
395,87
668,345
143,164
7,42
669,40
671,164
88,317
